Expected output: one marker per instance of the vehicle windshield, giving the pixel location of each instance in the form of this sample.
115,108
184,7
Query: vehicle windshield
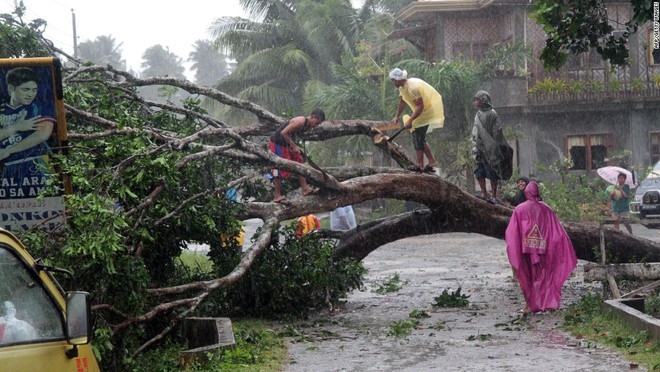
655,172
651,182
27,312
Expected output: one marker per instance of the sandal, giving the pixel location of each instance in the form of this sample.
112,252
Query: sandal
414,168
429,169
310,191
282,200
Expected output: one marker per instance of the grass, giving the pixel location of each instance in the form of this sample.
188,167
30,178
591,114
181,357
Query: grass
196,260
586,321
258,348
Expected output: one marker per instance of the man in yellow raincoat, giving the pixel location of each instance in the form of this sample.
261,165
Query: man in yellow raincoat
428,113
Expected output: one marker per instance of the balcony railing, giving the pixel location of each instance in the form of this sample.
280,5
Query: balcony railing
540,99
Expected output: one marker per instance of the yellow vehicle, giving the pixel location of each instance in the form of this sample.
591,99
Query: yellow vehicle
42,327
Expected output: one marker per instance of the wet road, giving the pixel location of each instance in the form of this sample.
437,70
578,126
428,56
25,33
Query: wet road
488,335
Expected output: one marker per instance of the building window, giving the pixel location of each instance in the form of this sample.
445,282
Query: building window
589,151
469,51
654,146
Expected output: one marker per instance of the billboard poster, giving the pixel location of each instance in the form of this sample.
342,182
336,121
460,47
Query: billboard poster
32,128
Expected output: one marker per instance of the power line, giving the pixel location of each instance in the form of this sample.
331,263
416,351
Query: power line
62,38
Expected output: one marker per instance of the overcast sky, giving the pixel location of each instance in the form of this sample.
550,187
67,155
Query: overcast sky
137,24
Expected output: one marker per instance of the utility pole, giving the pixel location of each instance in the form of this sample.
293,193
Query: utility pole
75,37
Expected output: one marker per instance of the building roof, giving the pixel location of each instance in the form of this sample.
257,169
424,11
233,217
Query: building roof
421,9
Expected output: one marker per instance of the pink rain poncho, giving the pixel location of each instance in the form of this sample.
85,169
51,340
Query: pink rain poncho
540,251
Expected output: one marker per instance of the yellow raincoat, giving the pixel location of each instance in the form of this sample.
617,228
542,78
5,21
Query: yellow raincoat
433,114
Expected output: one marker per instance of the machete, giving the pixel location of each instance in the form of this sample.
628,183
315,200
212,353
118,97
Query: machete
395,134
405,119
314,165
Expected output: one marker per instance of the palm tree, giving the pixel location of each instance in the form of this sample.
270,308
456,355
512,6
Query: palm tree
383,6
102,51
158,61
287,54
356,95
209,65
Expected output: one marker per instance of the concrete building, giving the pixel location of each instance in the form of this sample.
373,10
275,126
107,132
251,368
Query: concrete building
592,113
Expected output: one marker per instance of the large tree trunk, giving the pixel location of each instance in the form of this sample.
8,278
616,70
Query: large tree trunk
636,271
449,210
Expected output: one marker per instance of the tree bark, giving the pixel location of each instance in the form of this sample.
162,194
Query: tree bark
634,271
450,209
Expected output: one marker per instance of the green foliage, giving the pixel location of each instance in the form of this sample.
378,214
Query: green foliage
595,86
115,246
391,284
159,61
576,197
585,320
517,324
102,51
480,337
19,39
614,84
401,328
583,311
580,26
258,348
440,325
562,86
451,299
551,86
208,63
292,277
652,304
419,314
297,334
656,79
195,262
506,57
284,49
637,84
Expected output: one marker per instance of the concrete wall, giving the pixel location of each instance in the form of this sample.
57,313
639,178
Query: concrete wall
545,128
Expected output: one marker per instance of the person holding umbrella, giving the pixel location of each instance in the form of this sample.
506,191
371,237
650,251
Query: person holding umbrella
619,195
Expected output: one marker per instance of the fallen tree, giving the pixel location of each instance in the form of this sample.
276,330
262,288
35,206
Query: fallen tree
632,271
447,208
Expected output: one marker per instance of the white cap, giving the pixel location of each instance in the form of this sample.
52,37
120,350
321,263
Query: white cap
398,74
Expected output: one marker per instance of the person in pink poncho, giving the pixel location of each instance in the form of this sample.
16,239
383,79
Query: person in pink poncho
540,252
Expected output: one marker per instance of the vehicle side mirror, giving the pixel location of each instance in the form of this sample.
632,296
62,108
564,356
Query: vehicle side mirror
78,318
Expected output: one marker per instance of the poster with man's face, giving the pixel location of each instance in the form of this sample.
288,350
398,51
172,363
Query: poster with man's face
32,129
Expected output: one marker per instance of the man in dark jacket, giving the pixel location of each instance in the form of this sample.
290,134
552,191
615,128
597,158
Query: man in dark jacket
488,143
520,197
